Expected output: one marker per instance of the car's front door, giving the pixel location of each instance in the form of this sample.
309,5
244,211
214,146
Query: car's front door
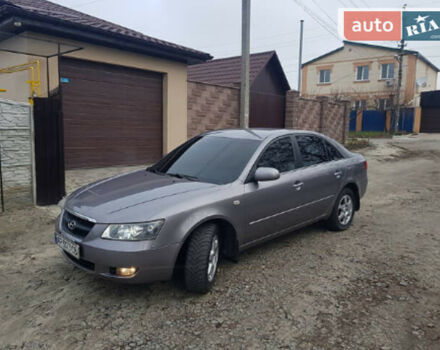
319,176
268,204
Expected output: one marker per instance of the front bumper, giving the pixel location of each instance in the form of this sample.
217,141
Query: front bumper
101,257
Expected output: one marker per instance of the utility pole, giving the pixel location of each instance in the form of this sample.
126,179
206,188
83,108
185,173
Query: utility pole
399,85
399,82
301,28
245,48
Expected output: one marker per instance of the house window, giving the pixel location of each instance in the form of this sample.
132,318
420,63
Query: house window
387,71
360,104
362,73
384,104
324,76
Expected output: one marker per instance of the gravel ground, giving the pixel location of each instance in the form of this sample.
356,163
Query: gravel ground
374,286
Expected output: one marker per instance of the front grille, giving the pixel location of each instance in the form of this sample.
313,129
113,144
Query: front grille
78,227
84,263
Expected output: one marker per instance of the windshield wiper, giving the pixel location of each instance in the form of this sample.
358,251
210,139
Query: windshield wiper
183,176
154,170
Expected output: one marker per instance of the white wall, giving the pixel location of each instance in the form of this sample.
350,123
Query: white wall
16,143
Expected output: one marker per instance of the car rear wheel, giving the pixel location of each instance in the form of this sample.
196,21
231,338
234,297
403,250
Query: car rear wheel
343,211
202,259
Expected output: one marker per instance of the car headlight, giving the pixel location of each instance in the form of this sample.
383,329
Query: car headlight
134,232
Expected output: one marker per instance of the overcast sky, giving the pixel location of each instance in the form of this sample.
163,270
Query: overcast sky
214,26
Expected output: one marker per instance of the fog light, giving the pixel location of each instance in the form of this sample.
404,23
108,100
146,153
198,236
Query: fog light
126,271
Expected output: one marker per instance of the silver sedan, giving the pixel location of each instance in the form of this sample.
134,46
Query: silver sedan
214,196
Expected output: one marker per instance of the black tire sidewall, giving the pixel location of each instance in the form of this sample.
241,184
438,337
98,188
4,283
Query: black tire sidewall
197,259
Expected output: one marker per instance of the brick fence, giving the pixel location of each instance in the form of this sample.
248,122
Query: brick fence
329,118
212,107
16,153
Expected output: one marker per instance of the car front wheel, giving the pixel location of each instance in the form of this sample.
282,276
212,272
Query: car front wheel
343,211
202,259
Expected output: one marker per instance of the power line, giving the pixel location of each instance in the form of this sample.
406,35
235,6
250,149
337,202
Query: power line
317,19
325,12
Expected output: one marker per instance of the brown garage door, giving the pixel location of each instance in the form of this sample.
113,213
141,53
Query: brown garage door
112,115
430,121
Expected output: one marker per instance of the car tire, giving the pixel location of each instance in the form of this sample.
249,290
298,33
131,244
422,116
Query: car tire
343,211
201,259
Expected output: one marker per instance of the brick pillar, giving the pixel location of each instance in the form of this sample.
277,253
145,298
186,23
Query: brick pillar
291,113
346,122
322,117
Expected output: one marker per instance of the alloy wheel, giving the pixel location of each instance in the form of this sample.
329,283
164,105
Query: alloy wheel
213,258
345,210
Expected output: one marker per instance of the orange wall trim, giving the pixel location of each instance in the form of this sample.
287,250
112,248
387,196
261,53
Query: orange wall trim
359,115
304,80
410,79
388,120
328,66
417,119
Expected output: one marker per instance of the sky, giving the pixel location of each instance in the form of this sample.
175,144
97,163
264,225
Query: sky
214,26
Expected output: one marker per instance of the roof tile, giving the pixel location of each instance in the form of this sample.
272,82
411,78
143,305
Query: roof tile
227,71
49,9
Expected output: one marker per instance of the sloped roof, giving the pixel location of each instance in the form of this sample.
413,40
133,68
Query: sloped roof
49,11
227,71
394,49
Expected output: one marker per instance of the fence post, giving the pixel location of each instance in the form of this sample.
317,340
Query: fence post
346,121
291,112
324,106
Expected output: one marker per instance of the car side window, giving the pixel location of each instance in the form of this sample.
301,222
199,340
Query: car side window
278,155
332,152
312,149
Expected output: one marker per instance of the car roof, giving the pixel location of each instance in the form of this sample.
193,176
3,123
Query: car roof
254,133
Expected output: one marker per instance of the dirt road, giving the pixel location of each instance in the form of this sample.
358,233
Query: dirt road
375,286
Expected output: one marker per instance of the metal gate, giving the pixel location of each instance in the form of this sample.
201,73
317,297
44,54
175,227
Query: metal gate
373,121
406,120
49,157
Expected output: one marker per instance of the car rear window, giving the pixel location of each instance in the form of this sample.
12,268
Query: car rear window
312,149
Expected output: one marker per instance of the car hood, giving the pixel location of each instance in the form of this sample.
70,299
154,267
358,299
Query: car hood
133,197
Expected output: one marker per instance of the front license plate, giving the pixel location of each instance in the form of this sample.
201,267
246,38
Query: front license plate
66,244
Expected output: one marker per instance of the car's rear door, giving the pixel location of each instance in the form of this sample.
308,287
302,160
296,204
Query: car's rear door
268,204
318,175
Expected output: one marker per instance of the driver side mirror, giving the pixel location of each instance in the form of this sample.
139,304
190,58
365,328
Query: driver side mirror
266,174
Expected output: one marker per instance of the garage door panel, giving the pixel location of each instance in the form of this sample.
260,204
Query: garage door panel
106,90
125,137
143,97
112,115
120,113
94,71
78,76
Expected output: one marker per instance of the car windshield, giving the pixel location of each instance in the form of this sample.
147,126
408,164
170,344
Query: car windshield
212,159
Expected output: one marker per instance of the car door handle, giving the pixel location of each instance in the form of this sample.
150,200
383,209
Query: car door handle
338,173
298,185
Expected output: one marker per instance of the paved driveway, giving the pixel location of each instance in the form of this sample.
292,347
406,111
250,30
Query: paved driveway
375,286
80,177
